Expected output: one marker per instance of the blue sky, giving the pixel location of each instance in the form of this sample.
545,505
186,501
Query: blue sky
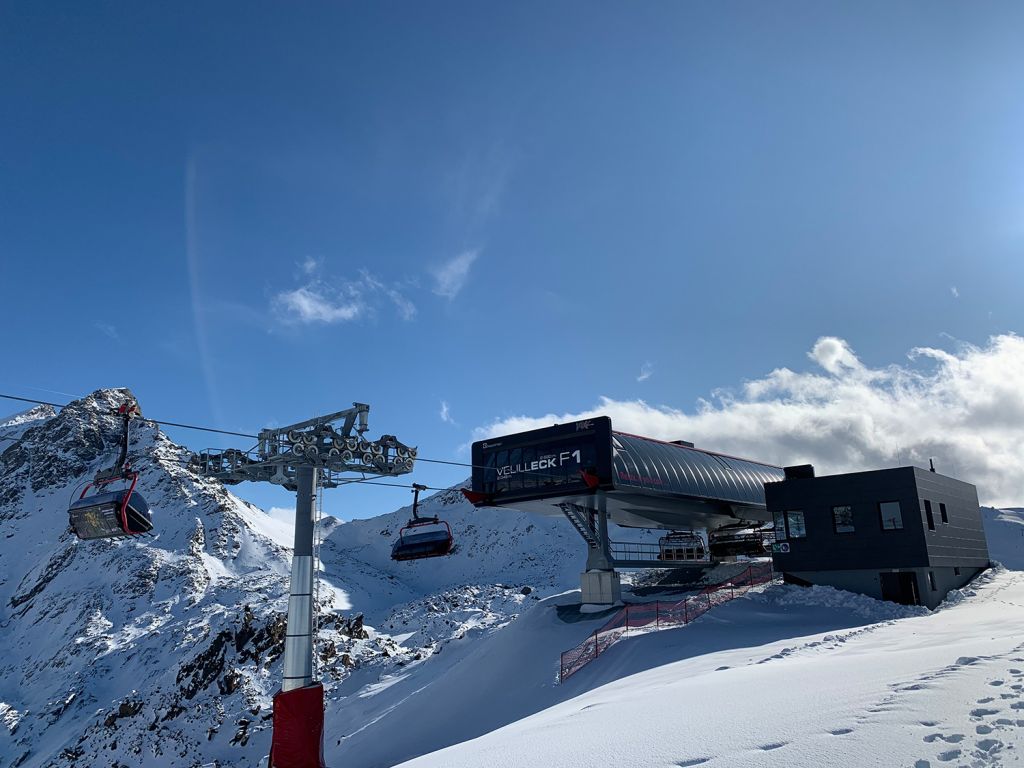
467,213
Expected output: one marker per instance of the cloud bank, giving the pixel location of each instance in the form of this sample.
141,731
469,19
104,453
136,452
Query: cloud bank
965,408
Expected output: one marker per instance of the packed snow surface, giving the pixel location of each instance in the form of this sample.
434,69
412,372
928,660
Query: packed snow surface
796,677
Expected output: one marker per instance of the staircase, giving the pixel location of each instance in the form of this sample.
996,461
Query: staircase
580,519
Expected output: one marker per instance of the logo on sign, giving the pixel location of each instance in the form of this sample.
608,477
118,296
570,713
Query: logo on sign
781,548
582,425
545,462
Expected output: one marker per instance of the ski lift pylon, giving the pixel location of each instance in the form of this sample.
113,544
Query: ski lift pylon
112,514
422,537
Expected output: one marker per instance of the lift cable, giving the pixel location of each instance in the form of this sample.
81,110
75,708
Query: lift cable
256,437
143,418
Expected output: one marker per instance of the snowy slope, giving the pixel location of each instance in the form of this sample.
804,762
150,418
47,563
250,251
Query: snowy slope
795,677
165,651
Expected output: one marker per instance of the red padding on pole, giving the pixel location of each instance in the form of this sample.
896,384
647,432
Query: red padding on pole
298,740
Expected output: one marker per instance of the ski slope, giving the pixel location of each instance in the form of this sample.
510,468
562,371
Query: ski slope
794,677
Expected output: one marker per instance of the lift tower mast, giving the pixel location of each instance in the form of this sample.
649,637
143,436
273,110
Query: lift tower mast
302,458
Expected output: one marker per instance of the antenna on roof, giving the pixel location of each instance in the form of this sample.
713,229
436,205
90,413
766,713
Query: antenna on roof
931,465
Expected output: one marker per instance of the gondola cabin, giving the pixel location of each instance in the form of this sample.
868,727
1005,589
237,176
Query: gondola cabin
110,515
423,538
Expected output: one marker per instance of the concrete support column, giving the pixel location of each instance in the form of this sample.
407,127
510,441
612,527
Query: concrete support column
599,584
298,642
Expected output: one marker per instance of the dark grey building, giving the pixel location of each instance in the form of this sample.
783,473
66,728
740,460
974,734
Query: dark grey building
905,534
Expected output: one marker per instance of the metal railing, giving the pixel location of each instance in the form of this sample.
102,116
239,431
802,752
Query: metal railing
651,551
659,615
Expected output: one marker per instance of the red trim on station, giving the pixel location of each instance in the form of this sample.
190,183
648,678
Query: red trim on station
592,480
476,498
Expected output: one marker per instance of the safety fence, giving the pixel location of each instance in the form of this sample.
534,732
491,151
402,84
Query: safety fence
660,615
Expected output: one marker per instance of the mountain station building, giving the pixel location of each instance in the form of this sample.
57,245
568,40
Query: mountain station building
906,534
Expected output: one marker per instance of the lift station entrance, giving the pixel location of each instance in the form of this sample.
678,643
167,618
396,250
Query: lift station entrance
594,475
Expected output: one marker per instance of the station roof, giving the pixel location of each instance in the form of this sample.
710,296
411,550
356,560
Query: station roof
645,482
644,463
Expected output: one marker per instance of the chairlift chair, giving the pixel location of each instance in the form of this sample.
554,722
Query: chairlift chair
682,546
742,539
112,514
422,537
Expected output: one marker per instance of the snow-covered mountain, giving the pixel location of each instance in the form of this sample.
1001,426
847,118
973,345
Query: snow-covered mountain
165,650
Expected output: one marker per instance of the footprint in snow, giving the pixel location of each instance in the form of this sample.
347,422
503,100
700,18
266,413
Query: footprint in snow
984,730
953,738
1017,705
996,682
983,712
949,755
773,745
988,747
841,731
922,764
694,761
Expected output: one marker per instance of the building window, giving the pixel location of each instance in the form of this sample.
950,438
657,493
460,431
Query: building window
956,570
891,515
942,512
928,515
780,525
931,581
842,519
795,523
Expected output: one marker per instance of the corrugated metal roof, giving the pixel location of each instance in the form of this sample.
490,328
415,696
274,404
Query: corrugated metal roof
643,463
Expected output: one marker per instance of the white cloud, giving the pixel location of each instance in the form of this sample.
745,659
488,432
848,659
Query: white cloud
645,372
322,301
405,308
450,277
835,356
445,413
107,330
282,514
310,266
965,408
310,305
955,291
